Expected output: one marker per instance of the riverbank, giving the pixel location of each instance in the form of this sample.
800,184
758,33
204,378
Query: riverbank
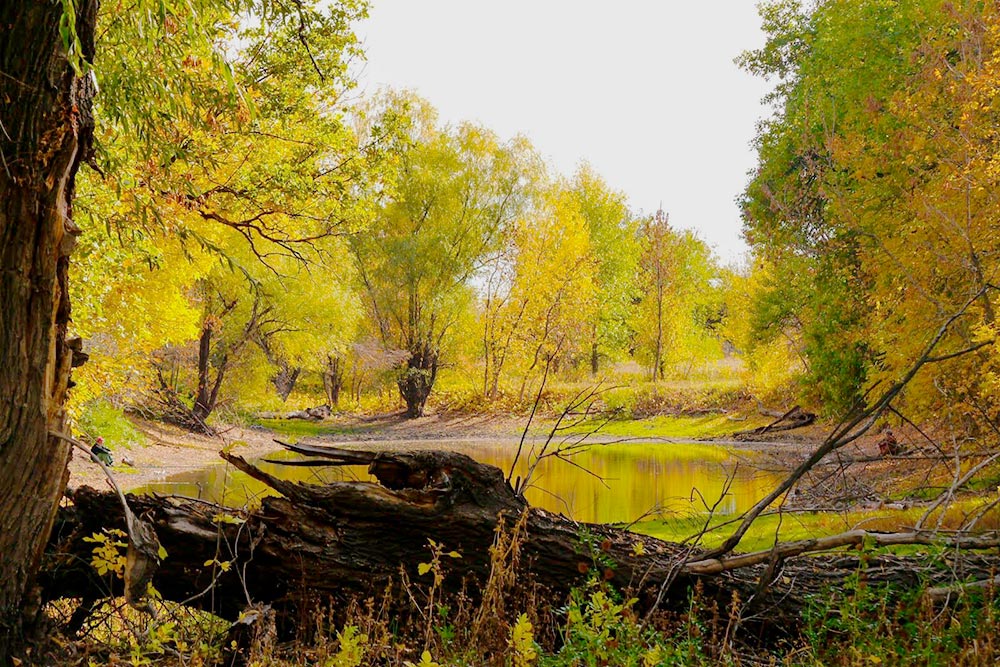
169,450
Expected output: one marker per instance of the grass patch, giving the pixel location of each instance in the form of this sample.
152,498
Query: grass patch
302,428
788,527
673,426
101,419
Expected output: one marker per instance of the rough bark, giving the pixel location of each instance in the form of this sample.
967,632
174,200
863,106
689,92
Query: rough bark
417,379
316,543
47,130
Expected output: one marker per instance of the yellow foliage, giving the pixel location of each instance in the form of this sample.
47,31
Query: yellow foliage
522,643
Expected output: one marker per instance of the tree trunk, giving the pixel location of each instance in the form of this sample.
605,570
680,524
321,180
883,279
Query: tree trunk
417,380
203,403
47,130
175,410
333,379
284,380
658,354
594,355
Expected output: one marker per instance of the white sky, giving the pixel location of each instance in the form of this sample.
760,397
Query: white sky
644,90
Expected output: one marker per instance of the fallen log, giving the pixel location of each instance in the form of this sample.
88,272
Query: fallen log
341,540
786,421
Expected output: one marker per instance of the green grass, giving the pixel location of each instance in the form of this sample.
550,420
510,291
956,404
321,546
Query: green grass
302,428
788,527
101,419
680,427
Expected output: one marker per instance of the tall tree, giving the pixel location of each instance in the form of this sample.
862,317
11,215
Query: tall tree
676,270
550,299
873,195
449,201
47,132
615,245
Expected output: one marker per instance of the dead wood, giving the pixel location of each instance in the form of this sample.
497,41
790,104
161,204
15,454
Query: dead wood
346,539
786,421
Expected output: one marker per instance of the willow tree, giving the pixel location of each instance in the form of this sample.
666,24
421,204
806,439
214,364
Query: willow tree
152,64
450,201
533,321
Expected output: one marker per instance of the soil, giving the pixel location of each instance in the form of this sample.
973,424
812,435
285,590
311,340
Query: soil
170,450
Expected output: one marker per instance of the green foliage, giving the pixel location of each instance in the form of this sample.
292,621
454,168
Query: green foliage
448,204
860,627
301,428
102,419
869,205
600,629
616,247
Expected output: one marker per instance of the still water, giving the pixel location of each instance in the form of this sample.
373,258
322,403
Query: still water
604,484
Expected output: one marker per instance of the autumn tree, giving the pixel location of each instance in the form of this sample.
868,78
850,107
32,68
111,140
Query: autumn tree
322,315
550,297
872,198
272,179
50,66
676,270
614,243
451,196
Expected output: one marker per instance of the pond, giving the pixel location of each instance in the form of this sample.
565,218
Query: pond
615,483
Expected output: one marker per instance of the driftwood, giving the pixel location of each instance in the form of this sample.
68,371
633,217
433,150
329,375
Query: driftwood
785,421
347,539
318,413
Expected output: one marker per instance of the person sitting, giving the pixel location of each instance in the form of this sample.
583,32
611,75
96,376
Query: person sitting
101,453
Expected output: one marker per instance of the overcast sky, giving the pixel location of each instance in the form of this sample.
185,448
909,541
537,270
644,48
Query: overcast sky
644,90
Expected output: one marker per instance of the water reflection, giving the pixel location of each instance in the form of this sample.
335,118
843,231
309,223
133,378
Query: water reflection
608,483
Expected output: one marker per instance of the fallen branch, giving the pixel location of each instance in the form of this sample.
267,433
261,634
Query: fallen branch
143,554
850,538
787,421
951,594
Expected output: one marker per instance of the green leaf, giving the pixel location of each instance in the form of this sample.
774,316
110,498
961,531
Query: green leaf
423,568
